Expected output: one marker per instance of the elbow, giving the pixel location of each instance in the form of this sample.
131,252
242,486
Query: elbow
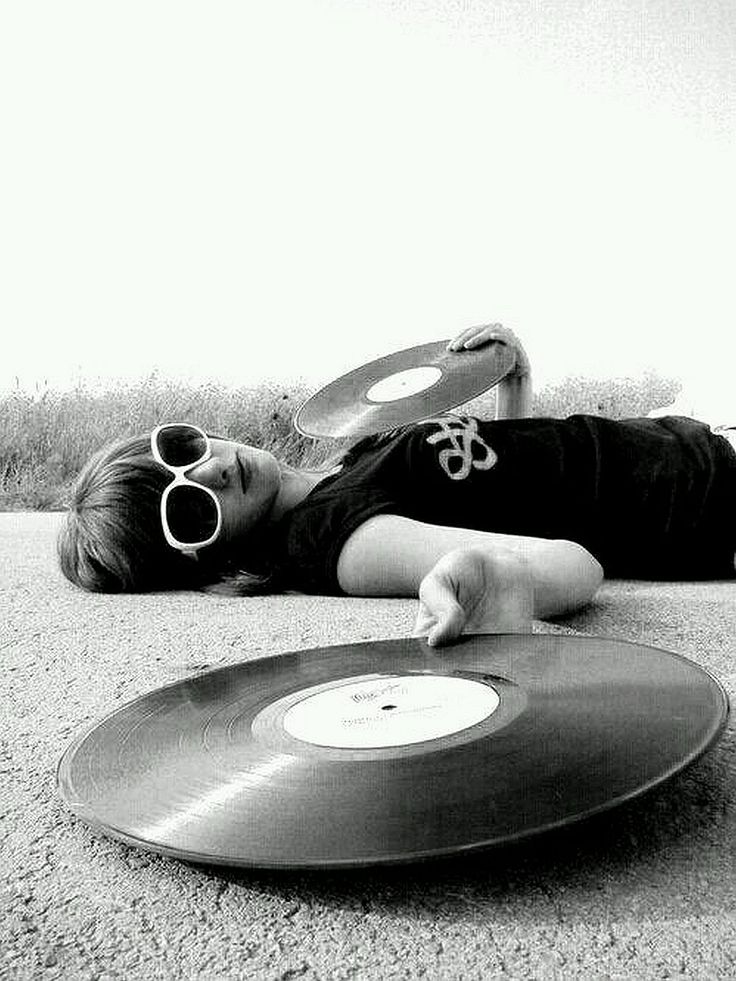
573,577
586,576
514,397
593,576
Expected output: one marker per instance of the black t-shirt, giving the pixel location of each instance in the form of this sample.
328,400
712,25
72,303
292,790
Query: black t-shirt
649,498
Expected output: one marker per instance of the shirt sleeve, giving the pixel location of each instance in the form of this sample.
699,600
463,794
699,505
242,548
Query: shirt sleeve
316,532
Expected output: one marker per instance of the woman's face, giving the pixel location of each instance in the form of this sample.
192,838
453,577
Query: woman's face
247,482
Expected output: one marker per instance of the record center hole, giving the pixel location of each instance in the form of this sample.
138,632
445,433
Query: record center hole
387,708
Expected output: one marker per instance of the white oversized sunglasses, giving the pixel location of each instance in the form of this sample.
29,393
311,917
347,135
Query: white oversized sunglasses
191,516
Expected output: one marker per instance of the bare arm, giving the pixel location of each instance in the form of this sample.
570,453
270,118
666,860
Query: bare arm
466,579
390,556
514,395
514,392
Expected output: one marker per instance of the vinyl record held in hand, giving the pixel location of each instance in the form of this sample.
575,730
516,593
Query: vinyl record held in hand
401,388
385,752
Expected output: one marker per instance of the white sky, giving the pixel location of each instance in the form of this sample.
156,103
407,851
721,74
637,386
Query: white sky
280,188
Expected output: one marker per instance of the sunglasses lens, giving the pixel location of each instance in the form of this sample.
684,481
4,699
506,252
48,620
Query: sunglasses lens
180,446
191,514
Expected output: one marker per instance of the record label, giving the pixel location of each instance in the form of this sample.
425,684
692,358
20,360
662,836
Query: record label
403,384
390,711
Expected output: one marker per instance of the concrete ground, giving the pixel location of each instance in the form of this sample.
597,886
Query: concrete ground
646,891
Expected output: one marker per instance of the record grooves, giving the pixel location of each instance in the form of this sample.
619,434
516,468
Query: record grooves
400,388
386,752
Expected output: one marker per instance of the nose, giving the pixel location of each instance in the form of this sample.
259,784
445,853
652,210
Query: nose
215,473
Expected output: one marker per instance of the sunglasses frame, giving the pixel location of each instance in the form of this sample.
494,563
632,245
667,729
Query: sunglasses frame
181,480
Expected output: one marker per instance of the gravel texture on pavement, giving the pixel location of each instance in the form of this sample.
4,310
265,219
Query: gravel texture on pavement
645,891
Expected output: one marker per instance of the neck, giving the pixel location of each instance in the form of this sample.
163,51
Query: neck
295,485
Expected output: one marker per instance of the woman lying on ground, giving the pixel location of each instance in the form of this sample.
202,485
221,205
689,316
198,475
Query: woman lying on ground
489,523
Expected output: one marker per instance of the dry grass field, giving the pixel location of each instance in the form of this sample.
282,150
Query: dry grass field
46,435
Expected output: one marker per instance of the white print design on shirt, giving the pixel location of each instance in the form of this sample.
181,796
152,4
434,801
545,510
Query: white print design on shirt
458,459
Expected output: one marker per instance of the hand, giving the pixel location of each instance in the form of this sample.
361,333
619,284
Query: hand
474,337
474,590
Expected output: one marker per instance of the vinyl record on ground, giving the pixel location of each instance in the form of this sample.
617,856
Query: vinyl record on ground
401,388
388,751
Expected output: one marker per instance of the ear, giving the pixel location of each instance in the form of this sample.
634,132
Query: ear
190,554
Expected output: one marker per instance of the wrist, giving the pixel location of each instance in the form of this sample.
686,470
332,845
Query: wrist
522,366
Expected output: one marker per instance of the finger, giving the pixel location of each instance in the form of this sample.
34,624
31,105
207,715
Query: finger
477,336
441,635
459,342
446,632
485,335
424,622
448,617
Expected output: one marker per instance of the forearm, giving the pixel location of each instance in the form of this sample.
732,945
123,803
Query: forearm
562,575
514,392
514,396
500,589
390,555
